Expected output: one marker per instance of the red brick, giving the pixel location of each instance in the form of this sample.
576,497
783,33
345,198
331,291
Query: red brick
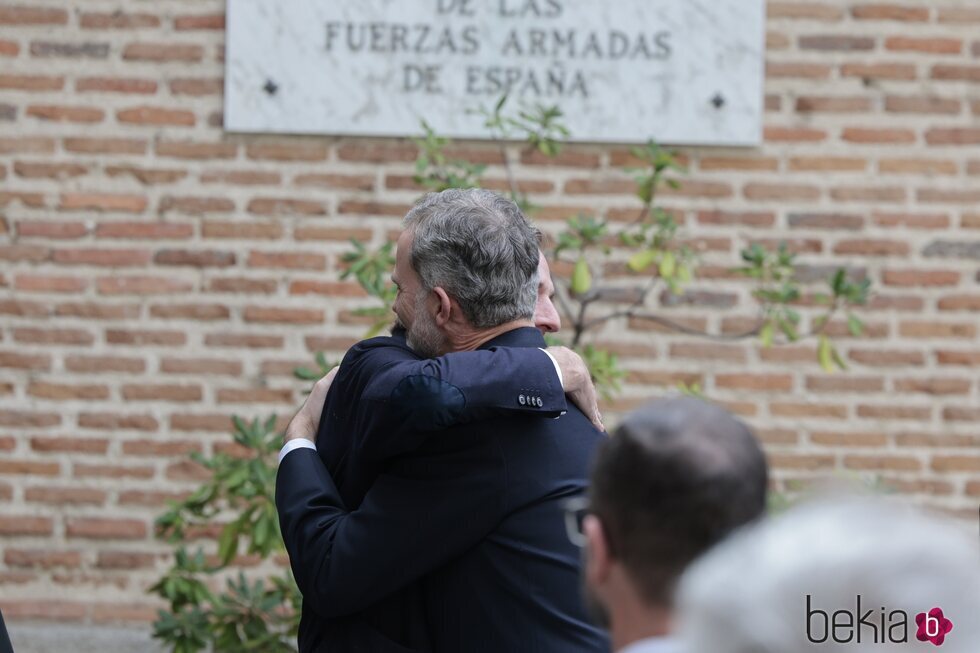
365,152
824,104
878,135
199,22
879,462
24,253
9,48
105,528
63,391
144,230
102,202
28,15
196,205
111,471
161,392
296,150
797,70
149,115
62,113
158,448
197,86
326,288
927,104
27,145
242,230
955,72
801,461
912,220
125,560
47,229
932,45
201,366
65,495
31,82
948,196
59,171
912,278
50,283
918,166
954,136
894,71
34,467
163,52
823,410
243,340
903,13
141,285
116,421
336,181
836,43
759,382
116,85
190,311
282,315
956,463
960,303
285,206
927,329
117,20
104,364
847,383
144,337
933,386
255,396
243,285
63,336
207,258
209,422
744,219
780,192
196,150
32,558
97,311
28,419
243,177
23,361
287,260
105,145
102,257
868,194
894,412
793,134
827,164
11,525
839,439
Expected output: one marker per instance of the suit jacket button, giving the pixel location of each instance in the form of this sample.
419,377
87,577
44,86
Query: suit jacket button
521,399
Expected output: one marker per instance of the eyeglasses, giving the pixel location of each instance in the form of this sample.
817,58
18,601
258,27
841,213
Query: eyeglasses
576,509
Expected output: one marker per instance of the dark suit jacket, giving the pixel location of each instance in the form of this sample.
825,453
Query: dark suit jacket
459,543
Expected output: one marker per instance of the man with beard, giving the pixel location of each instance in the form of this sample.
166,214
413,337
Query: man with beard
676,477
403,536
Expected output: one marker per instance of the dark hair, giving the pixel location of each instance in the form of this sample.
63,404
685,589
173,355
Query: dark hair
676,477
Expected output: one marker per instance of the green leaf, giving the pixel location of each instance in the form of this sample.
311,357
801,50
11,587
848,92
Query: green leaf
581,277
838,360
766,334
667,265
825,354
228,543
855,326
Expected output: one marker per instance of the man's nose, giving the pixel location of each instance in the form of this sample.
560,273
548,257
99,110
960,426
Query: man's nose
547,321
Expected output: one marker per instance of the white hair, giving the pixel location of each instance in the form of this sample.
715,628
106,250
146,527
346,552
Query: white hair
750,594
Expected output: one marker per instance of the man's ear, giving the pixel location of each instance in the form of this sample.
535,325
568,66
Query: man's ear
599,560
444,310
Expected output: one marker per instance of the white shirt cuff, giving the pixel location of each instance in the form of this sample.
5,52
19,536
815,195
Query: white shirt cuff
292,445
561,381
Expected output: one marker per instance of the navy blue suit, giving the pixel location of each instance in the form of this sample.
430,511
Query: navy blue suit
403,538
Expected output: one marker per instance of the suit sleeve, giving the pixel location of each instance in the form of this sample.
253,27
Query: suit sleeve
405,398
415,518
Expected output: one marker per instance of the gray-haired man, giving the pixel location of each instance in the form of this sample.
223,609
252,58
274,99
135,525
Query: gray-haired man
455,542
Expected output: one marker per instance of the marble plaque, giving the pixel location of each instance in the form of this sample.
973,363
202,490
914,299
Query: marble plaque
678,71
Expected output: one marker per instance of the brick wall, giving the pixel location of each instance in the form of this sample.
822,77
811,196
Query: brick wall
159,275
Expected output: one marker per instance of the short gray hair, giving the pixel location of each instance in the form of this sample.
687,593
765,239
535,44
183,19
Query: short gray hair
481,249
750,594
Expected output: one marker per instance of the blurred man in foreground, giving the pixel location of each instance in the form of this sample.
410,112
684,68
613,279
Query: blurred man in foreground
675,478
837,575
